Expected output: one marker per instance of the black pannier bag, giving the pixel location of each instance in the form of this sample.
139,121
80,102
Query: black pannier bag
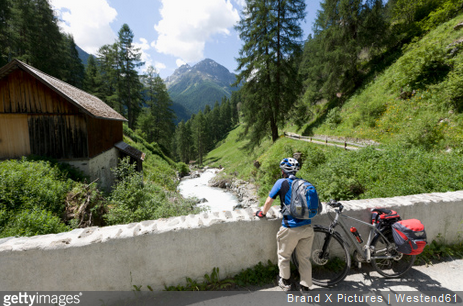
409,236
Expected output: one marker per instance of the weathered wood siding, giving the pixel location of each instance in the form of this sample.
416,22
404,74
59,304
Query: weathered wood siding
50,124
103,134
22,93
14,136
60,137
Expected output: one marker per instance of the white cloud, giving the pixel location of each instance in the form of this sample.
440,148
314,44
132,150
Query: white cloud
144,46
88,21
241,3
180,62
159,66
186,26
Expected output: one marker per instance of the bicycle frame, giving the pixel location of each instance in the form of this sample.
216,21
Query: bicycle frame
365,252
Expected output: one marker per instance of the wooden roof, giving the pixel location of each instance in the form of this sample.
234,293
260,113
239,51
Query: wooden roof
90,104
129,150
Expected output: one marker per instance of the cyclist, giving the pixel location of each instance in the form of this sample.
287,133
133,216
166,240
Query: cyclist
293,234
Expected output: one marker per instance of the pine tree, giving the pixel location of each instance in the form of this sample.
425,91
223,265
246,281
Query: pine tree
214,123
74,70
200,135
270,32
130,86
184,141
158,120
5,32
109,69
344,31
92,79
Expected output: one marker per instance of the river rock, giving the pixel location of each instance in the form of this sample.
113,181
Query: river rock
245,192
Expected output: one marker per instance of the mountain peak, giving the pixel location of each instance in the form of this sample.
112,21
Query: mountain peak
207,69
203,84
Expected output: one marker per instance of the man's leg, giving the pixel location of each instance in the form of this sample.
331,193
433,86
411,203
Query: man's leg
286,241
303,252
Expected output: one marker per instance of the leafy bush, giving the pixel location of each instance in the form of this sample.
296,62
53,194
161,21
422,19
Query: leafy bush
334,117
133,200
182,169
31,191
31,222
25,184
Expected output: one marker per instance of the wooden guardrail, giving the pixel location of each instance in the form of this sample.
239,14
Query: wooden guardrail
329,141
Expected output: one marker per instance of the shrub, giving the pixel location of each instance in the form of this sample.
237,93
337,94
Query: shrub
132,200
182,169
334,117
31,222
27,185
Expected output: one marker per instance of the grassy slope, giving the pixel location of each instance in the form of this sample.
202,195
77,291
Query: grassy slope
430,114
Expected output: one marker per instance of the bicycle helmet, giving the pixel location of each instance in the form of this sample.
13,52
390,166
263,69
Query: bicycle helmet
289,165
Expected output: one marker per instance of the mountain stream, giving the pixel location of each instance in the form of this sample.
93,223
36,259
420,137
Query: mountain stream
217,199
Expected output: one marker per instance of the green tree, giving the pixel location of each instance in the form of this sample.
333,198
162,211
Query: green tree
158,119
74,70
5,31
32,35
184,141
130,85
214,123
200,135
347,35
110,71
270,33
92,80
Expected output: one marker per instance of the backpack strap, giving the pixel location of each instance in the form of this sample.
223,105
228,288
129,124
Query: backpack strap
285,206
285,220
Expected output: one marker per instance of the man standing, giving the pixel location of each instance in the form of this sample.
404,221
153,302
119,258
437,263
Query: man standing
293,234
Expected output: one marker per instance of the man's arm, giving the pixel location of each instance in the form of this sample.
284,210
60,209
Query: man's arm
265,208
267,205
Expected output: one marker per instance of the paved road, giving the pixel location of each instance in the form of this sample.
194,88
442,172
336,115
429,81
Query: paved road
438,284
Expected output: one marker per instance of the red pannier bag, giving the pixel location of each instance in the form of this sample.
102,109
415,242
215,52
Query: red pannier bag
409,236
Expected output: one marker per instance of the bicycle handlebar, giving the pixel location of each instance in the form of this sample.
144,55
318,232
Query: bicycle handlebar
334,204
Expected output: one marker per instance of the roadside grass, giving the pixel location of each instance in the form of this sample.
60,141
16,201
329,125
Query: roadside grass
259,275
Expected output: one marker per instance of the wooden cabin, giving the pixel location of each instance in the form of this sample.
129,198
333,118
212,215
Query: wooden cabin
44,116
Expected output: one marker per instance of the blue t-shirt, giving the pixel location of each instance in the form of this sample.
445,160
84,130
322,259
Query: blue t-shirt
282,188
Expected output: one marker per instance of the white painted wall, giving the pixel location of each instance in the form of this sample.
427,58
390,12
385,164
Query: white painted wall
165,251
99,167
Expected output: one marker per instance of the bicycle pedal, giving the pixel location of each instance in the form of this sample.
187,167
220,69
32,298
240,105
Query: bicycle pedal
359,265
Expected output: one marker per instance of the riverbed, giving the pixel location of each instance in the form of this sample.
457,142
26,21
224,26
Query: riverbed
217,199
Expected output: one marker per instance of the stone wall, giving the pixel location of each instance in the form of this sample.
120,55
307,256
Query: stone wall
165,251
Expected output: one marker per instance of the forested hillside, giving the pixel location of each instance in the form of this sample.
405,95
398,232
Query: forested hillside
402,89
410,93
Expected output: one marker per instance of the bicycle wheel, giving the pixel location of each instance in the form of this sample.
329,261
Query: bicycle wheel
334,265
389,267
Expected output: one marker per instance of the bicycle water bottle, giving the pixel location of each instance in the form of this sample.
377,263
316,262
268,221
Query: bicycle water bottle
354,232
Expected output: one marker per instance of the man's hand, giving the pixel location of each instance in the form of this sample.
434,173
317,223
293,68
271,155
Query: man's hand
260,214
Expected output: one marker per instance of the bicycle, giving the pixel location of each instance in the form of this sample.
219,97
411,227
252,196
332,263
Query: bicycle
330,257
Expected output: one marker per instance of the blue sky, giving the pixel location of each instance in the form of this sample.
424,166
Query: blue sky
169,32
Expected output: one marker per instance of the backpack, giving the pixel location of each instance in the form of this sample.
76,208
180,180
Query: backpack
304,202
409,236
